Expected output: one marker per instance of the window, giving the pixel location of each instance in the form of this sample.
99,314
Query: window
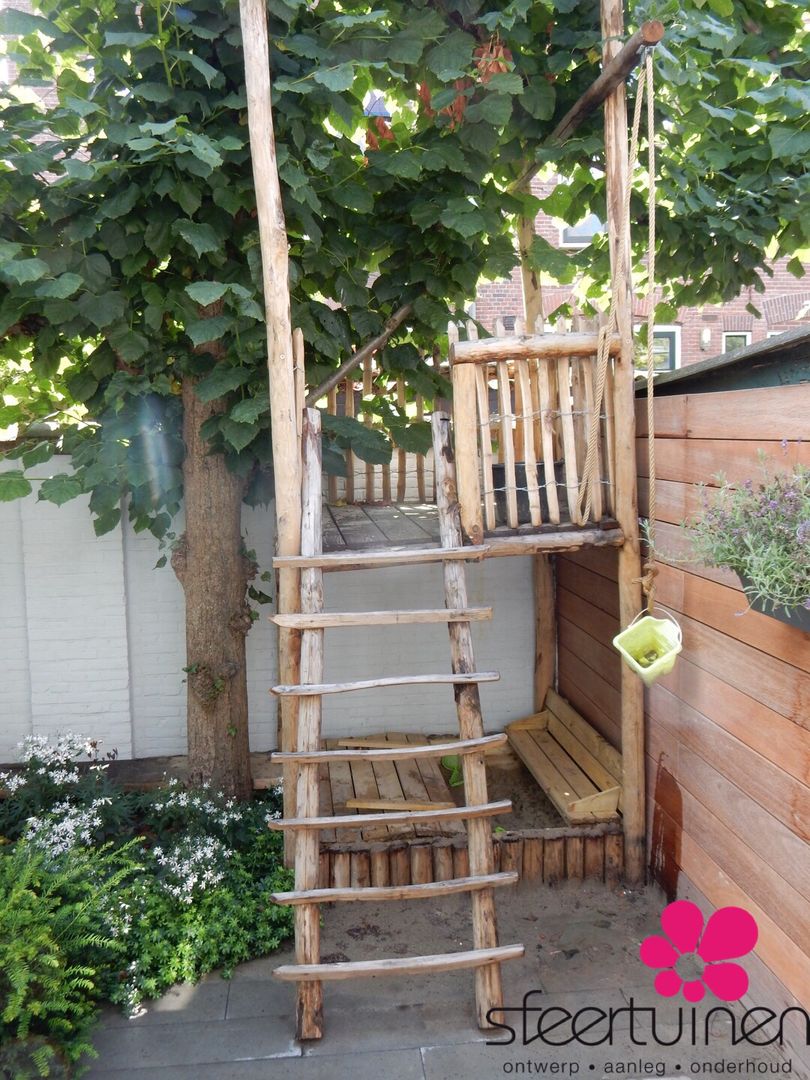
509,323
776,333
666,349
579,236
736,340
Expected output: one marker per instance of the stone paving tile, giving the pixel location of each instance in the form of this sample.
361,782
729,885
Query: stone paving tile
190,1044
392,1065
180,1005
403,1027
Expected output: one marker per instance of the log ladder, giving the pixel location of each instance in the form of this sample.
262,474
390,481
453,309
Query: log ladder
486,955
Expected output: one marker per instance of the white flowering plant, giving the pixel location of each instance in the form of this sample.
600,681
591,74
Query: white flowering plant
173,884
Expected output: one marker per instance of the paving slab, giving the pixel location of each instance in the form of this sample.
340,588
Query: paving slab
393,1065
157,1048
187,1003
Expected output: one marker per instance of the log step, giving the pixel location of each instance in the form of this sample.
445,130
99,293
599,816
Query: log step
327,620
408,965
401,817
397,892
400,752
317,689
372,560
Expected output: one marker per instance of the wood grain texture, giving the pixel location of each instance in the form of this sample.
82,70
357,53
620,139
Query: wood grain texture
319,689
359,821
333,619
416,965
488,983
527,346
398,892
386,750
772,413
694,461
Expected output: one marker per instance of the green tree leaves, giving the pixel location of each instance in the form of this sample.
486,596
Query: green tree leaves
13,485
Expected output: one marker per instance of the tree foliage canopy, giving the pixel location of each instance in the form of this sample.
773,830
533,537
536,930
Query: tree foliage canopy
128,239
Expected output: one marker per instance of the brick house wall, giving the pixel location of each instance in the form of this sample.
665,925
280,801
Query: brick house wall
784,305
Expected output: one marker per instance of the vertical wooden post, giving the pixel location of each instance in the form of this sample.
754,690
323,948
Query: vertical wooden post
626,508
465,430
488,986
276,288
545,629
309,1013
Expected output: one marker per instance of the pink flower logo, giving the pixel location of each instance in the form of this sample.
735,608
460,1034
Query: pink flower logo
693,957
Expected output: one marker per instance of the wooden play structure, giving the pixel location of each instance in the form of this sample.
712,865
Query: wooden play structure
537,458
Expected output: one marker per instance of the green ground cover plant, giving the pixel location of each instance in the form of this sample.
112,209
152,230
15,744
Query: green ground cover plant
113,896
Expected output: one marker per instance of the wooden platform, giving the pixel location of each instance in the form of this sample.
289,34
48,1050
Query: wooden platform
380,526
354,787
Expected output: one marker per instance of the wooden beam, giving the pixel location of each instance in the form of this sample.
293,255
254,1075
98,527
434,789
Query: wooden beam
332,619
613,74
317,689
545,629
397,752
403,817
488,982
373,560
307,917
528,347
356,359
398,892
501,546
415,965
626,505
275,286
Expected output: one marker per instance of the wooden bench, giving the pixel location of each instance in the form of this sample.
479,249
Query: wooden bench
578,769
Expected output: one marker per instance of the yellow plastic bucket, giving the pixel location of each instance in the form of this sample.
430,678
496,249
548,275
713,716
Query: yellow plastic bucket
650,646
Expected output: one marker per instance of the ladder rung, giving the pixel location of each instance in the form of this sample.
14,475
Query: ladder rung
325,620
407,965
371,560
398,817
398,752
316,689
398,892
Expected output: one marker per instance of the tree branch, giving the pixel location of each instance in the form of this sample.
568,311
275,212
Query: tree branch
357,358
614,72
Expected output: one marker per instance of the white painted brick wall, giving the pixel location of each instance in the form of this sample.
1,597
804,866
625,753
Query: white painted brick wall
92,638
15,711
76,622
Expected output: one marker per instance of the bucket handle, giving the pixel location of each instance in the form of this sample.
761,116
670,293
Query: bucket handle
668,614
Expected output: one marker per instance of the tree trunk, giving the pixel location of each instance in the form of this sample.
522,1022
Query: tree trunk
214,572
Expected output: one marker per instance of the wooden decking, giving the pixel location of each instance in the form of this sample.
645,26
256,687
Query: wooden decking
380,526
372,527
362,784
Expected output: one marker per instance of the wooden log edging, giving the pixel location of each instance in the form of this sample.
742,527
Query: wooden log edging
543,856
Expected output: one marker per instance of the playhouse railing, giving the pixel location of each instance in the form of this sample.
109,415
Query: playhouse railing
409,477
523,406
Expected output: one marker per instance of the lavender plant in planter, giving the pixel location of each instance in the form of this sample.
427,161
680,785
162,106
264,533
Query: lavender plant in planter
761,531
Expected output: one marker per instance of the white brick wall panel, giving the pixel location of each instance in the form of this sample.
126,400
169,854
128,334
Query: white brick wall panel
92,637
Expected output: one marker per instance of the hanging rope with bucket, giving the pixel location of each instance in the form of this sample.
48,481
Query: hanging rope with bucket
648,645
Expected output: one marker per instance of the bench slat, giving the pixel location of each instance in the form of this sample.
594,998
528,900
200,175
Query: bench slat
588,736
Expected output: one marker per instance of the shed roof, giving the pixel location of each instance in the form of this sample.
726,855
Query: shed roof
777,361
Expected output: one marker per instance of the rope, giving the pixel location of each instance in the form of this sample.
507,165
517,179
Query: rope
606,332
650,569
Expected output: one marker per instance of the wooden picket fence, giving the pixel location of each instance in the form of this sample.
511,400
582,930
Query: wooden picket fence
409,477
522,410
